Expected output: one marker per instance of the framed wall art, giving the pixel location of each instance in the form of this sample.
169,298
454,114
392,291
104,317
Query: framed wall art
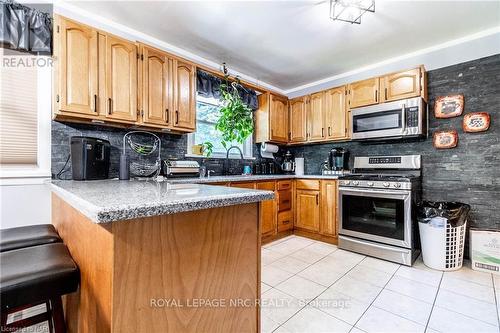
449,106
445,139
476,122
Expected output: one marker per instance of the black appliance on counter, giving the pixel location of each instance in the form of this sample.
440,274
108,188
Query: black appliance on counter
89,158
338,159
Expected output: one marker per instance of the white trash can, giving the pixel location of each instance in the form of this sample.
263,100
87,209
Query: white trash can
442,243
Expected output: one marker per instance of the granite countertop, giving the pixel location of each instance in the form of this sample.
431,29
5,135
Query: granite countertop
105,201
243,178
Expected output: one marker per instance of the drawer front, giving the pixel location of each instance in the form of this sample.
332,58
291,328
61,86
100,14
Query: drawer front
308,184
243,185
285,220
284,200
284,185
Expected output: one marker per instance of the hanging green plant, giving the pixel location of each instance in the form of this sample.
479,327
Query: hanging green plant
236,119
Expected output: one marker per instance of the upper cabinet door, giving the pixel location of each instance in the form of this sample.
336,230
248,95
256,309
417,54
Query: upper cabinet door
336,127
278,118
363,93
77,56
121,79
298,119
401,85
156,87
316,118
184,95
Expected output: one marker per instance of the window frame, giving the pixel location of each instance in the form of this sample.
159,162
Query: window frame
247,145
30,174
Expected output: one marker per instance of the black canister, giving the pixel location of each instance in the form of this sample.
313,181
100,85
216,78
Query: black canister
124,167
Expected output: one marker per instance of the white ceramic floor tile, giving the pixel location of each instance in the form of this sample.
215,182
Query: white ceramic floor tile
470,275
289,246
322,273
301,288
356,330
273,276
496,280
340,305
339,264
307,255
360,290
310,319
420,291
281,329
323,248
378,320
469,289
289,264
267,325
279,306
404,306
428,277
468,306
277,241
430,330
381,265
370,275
445,321
269,256
347,256
264,287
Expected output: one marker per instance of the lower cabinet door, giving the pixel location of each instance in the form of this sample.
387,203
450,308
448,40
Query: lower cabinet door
307,206
267,211
328,221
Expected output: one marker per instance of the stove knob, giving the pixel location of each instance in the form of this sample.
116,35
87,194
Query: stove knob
386,184
347,182
355,183
397,185
369,183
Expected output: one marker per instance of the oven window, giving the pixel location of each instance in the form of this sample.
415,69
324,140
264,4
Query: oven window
376,216
377,121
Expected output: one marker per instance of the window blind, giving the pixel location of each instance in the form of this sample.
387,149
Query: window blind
18,115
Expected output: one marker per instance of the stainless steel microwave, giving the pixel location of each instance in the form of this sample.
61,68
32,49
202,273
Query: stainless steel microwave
393,120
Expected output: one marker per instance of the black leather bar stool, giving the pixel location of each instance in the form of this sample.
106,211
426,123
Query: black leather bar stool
17,238
36,275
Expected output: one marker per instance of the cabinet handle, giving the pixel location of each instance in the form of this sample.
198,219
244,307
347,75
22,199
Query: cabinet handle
166,116
176,117
385,93
285,201
285,222
95,103
109,106
317,199
329,131
322,132
376,95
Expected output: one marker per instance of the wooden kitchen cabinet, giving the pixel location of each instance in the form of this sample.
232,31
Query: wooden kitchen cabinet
328,220
267,211
298,119
184,95
250,185
307,209
121,79
271,119
316,118
285,221
401,85
76,70
336,113
363,93
156,85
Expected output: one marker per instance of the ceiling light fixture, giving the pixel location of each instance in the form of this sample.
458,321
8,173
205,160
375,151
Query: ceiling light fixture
350,10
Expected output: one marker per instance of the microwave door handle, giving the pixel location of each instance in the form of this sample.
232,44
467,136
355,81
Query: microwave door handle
403,120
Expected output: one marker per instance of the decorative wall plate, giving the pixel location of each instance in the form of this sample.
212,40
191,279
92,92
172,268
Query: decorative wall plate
476,122
449,106
445,139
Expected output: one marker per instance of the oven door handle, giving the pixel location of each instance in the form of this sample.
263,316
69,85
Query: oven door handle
381,193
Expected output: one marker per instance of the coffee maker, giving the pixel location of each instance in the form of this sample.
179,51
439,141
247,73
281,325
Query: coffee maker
338,160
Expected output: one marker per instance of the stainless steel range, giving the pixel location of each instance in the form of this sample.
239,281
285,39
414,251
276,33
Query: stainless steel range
377,207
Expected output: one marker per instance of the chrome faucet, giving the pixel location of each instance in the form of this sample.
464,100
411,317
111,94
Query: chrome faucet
226,162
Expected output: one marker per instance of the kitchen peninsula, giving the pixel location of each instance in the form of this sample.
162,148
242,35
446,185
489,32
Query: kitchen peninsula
151,253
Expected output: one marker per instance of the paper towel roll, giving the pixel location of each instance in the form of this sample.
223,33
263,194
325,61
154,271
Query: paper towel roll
299,166
267,150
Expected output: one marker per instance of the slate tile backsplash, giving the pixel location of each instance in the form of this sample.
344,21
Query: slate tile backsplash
469,173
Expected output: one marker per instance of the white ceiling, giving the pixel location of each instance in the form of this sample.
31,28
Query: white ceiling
291,43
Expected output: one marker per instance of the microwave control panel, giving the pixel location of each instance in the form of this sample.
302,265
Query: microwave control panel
412,116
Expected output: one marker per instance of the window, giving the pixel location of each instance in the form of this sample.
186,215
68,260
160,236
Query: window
25,119
207,113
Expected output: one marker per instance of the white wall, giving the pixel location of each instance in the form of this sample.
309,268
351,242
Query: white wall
24,205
